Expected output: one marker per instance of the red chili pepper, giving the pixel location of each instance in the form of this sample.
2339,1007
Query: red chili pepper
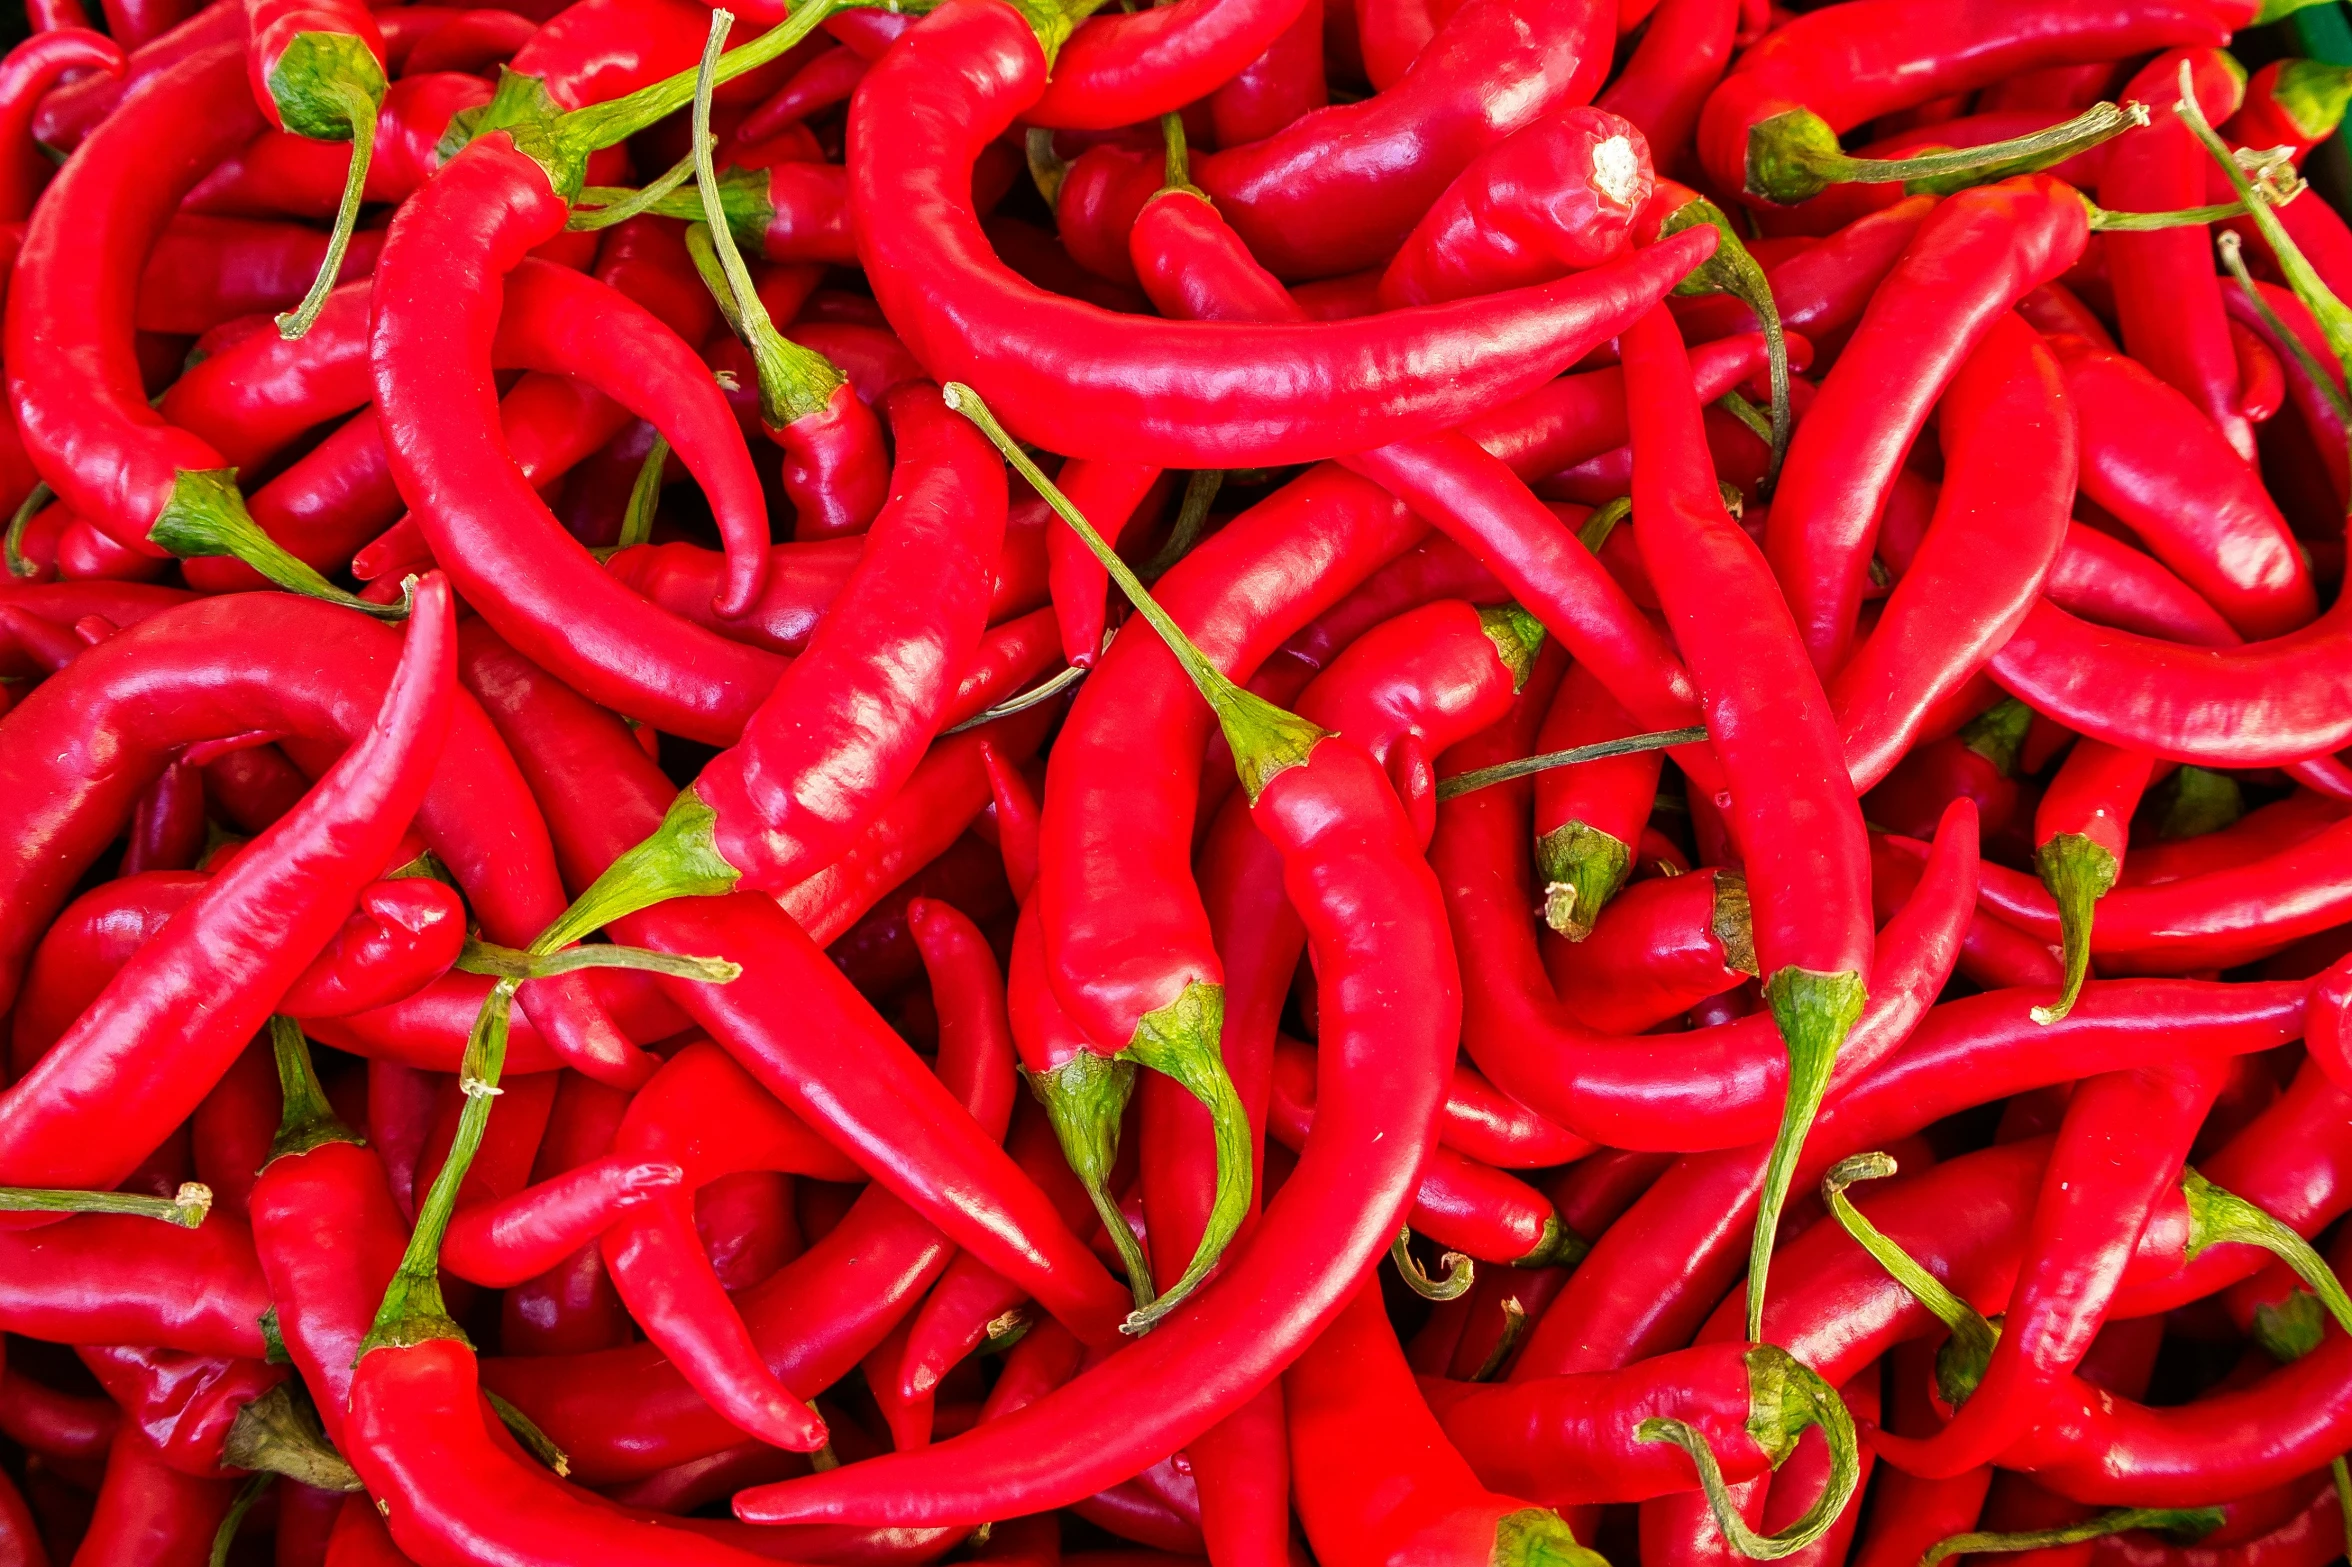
825,82
2167,299
1681,56
190,991
1794,818
1822,288
153,490
279,174
1115,70
317,68
29,71
102,1278
1277,87
2295,104
1770,131
1375,1479
1670,943
1170,393
2151,459
2080,832
1973,258
148,1511
2009,455
1558,197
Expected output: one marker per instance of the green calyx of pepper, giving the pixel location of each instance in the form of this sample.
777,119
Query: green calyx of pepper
1733,922
2313,95
328,86
1560,1247
2222,1218
1795,156
1582,869
39,496
1732,270
1814,1012
279,1433
679,859
1998,734
1517,637
2079,871
1182,1038
1960,1364
205,515
1785,1398
1460,1271
1085,1100
794,382
2196,801
2182,1525
308,1121
186,1207
1539,1537
743,198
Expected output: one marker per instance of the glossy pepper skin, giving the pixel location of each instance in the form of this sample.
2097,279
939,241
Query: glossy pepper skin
2010,458
1791,808
1120,68
1858,63
1177,394
1389,1015
200,990
1973,258
1376,1481
29,71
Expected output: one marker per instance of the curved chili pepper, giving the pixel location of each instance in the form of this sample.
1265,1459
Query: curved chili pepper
185,1405
1277,87
513,1239
279,174
68,113
29,71
1362,1441
191,991
102,1278
888,1113
2009,465
404,935
1672,942
206,274
269,664
1812,903
1115,70
1178,394
1771,129
317,68
1388,1020
2095,1201
2167,299
1972,258
1555,198
149,1511
825,82
2080,830
73,377
1461,1205
1679,60
39,1419
2146,454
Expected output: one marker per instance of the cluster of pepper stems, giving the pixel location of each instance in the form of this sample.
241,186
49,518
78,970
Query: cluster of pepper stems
1652,807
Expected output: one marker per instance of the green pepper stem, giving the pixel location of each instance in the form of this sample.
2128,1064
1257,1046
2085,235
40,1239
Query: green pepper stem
2105,220
2233,257
1785,1397
2079,871
1600,751
1582,868
1961,1365
186,1208
1998,734
308,1120
1795,156
2185,1525
1606,519
1085,1100
1461,1271
359,107
608,124
616,205
39,496
1047,168
2220,1218
225,1537
1177,163
1733,270
680,859
1264,739
644,496
526,1431
1507,1339
205,515
280,1433
482,957
1182,1041
794,382
1061,680
1192,519
1814,1012
413,1311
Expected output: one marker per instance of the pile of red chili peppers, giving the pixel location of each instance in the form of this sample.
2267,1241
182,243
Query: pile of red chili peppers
1382,783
